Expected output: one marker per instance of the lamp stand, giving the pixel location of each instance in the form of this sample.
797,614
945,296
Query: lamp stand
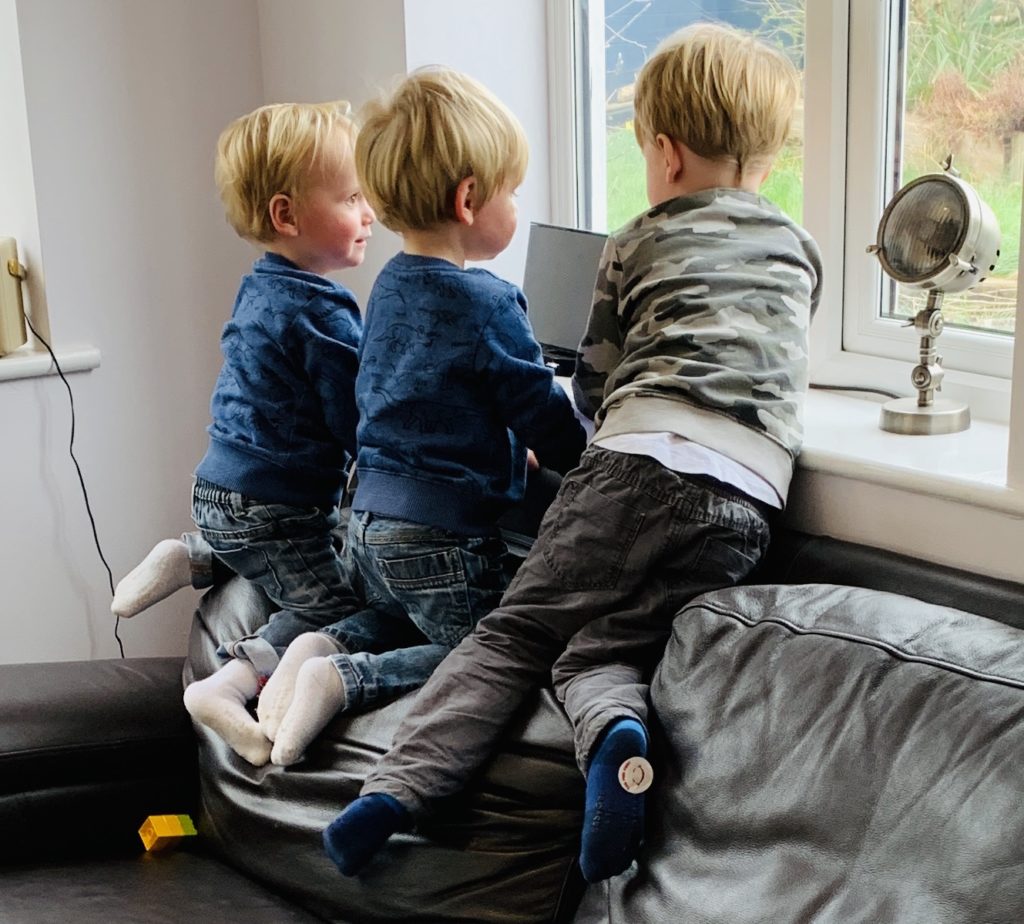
925,415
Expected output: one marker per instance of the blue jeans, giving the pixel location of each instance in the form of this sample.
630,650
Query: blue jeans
290,552
424,589
206,568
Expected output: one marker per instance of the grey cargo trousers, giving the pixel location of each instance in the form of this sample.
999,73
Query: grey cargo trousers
624,545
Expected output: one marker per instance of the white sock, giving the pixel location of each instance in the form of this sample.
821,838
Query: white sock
277,694
163,571
319,694
218,702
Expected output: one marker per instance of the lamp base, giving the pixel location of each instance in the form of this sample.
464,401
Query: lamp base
903,415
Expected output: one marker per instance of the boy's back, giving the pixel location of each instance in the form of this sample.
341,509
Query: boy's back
700,322
448,365
284,415
452,388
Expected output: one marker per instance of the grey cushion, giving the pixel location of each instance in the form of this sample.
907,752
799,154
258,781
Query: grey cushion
830,754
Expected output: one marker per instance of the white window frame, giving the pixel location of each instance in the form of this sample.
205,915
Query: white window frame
850,344
872,129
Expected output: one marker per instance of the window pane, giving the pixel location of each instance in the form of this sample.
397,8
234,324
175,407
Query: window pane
964,94
632,30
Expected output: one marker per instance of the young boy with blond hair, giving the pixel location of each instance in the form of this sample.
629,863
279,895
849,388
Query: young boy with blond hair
265,498
694,365
451,390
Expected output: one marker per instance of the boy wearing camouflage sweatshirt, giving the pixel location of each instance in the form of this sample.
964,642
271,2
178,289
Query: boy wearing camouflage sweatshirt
694,365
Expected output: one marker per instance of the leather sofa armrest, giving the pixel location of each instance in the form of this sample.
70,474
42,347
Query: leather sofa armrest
88,749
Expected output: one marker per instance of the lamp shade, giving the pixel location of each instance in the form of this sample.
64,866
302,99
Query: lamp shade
937,233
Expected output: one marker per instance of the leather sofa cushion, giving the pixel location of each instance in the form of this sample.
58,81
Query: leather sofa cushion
831,754
167,888
88,749
503,852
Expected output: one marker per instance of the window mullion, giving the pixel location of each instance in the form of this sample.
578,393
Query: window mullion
867,145
1015,461
563,153
592,36
825,132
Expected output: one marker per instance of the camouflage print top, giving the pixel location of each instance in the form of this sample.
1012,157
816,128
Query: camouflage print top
699,327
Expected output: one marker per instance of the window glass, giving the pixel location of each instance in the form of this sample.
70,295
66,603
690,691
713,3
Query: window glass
963,94
632,30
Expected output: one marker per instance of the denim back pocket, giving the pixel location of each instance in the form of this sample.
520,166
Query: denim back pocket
251,563
431,588
424,571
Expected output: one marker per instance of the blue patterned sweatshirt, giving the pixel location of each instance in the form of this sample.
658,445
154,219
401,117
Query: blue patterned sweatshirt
284,414
451,391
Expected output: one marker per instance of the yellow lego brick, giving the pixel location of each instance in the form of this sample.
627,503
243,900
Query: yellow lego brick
159,832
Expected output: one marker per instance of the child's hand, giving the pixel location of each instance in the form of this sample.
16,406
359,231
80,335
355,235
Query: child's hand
532,464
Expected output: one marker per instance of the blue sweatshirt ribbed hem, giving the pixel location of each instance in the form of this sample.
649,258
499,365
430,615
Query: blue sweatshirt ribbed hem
446,506
266,481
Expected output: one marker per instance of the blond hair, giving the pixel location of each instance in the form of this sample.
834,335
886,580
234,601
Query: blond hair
279,148
723,93
436,129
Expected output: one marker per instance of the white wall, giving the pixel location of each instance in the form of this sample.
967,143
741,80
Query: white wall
335,49
124,99
502,45
17,185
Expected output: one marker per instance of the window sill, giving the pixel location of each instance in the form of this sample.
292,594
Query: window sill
843,438
940,498
26,363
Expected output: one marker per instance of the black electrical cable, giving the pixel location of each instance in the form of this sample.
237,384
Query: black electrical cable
865,388
81,480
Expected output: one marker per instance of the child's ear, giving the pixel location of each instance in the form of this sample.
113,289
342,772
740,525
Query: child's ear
465,201
282,215
672,153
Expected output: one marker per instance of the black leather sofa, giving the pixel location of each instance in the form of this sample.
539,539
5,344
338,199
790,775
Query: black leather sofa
824,754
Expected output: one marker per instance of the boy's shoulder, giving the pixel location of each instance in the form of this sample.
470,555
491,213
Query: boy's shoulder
475,284
278,296
275,274
705,220
486,279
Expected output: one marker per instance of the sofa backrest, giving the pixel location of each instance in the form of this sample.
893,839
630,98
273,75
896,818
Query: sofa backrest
798,558
835,755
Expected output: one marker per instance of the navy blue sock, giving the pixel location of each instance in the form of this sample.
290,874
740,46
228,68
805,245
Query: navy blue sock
362,829
613,818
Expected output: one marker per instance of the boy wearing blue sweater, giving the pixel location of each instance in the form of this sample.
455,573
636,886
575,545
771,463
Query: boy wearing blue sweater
694,364
451,391
266,493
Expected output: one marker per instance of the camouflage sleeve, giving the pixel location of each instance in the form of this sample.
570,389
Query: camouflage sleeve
601,347
814,256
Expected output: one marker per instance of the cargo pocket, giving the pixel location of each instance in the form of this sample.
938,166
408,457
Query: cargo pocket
589,540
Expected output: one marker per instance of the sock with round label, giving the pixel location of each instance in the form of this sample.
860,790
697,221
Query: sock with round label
613,817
